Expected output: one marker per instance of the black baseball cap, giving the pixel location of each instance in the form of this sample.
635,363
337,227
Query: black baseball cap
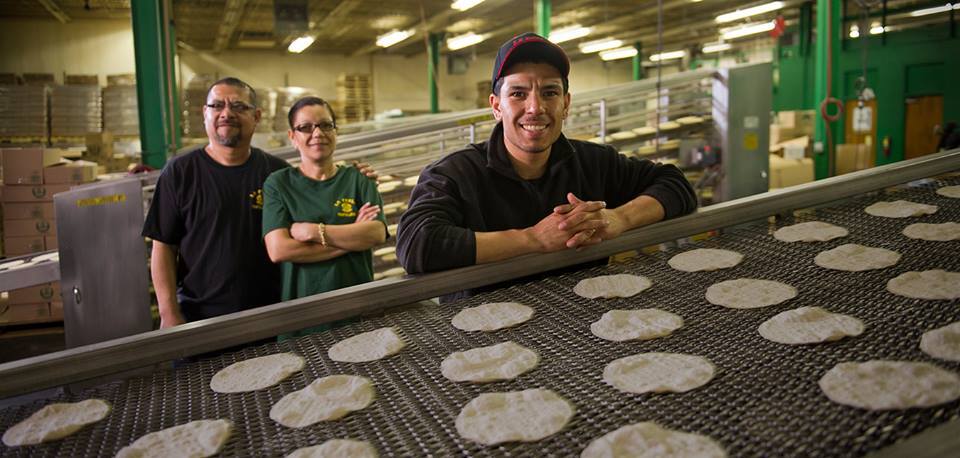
529,47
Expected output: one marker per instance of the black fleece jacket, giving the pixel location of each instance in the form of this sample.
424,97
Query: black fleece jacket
477,189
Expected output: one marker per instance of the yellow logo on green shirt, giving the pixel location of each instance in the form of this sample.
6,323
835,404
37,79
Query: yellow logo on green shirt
257,199
347,206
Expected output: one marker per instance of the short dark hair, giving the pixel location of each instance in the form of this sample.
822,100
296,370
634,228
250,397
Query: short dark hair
235,82
306,102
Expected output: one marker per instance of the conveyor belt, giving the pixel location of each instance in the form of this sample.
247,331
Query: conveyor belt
764,400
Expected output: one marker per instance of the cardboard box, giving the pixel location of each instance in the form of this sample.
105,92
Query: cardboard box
19,246
56,311
789,172
793,124
32,193
24,313
35,294
25,165
28,227
852,157
99,145
35,210
72,172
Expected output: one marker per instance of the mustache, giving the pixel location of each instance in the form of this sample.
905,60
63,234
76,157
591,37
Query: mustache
227,123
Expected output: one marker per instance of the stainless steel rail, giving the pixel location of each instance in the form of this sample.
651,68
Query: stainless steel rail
118,355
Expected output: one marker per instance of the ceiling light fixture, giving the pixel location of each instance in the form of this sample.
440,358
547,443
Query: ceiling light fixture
668,55
936,9
620,53
716,47
747,12
569,33
463,5
877,29
393,37
749,29
298,45
600,45
462,41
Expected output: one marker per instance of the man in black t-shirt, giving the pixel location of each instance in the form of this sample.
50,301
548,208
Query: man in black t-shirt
208,258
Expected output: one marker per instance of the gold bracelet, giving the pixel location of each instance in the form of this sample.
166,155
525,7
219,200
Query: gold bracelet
321,231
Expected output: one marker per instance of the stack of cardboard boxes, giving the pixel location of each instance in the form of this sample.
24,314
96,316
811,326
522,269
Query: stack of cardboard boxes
100,152
354,97
31,176
791,160
120,115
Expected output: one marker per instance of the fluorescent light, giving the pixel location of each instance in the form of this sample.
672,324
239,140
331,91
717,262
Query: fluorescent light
600,45
393,37
569,33
935,10
298,45
463,5
854,31
749,29
462,41
620,53
877,29
747,12
716,47
668,55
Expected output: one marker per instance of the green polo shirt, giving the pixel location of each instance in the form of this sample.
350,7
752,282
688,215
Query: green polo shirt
290,197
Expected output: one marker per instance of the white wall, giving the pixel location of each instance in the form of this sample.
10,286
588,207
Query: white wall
100,47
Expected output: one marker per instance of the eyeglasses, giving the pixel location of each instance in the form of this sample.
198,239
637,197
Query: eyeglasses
307,128
236,107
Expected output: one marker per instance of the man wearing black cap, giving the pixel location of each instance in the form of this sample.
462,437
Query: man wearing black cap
529,189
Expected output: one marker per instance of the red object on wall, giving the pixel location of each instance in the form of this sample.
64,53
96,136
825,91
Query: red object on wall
779,25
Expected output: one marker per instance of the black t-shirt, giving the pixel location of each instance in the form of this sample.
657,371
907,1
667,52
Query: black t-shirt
213,213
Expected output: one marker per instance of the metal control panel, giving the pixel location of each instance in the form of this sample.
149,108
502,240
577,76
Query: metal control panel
103,269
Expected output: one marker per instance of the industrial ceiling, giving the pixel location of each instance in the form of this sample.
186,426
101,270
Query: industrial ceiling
351,27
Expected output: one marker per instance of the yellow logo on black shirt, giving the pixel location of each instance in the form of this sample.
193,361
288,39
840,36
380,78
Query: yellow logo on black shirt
347,206
257,199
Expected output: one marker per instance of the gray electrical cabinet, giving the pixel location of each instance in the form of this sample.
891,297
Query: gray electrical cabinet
743,123
103,268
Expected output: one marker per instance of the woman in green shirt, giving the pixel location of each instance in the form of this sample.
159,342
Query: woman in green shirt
320,220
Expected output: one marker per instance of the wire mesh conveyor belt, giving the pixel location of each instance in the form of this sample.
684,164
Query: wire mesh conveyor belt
764,400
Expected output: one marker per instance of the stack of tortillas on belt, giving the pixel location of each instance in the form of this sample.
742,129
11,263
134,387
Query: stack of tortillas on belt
516,416
327,398
811,231
492,316
55,421
607,286
256,373
900,209
503,361
199,438
337,448
368,346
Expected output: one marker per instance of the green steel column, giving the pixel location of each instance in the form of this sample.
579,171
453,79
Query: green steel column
173,94
806,13
148,44
542,16
638,62
434,62
821,156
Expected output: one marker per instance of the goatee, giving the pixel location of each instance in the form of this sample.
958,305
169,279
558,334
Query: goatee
231,141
